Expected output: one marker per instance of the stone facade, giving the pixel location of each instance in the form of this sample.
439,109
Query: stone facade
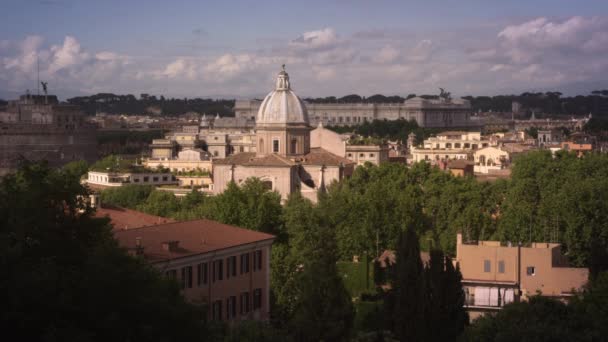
283,160
444,113
40,128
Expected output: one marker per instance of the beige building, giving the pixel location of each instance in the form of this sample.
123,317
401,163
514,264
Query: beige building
284,159
491,158
223,266
116,179
495,274
362,154
448,146
339,144
189,159
163,148
441,112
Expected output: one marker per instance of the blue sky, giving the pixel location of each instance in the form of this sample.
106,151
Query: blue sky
234,48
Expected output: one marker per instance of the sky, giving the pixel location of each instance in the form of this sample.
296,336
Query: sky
233,49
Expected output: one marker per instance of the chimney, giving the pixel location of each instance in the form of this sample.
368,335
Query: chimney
170,246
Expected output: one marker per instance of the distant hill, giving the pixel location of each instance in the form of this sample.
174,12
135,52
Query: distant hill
145,104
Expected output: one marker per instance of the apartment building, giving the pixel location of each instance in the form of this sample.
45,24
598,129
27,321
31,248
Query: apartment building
495,273
225,267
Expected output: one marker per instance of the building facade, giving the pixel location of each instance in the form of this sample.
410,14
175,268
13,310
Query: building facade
442,112
283,159
38,127
495,274
225,267
117,179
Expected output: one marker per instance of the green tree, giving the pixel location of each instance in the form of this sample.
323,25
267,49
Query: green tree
409,286
539,319
160,203
65,278
323,310
127,196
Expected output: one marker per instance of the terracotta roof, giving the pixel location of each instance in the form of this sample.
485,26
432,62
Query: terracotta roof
250,159
316,156
123,218
320,156
192,237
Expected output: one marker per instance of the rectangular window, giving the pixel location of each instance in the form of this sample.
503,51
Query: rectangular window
530,270
231,307
165,178
244,303
501,266
155,179
186,277
257,299
231,267
257,260
245,263
171,274
146,178
275,145
216,309
487,267
217,271
202,274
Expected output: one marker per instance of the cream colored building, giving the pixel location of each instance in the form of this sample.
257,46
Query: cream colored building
163,148
338,144
117,179
362,154
188,159
491,158
284,159
449,145
440,112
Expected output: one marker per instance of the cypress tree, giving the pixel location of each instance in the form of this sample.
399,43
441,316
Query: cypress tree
409,290
456,316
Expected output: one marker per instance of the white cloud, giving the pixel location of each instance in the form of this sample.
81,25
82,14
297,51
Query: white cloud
28,56
421,52
387,54
181,67
320,39
67,55
541,52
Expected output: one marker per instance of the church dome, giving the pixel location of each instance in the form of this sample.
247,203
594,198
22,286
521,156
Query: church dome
282,107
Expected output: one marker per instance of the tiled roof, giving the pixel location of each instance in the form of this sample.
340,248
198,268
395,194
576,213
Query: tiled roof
193,237
319,156
316,156
250,159
123,218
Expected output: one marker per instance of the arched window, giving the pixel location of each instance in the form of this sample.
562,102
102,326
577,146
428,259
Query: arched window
267,185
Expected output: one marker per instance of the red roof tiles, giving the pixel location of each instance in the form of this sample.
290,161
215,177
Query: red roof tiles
193,237
123,218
